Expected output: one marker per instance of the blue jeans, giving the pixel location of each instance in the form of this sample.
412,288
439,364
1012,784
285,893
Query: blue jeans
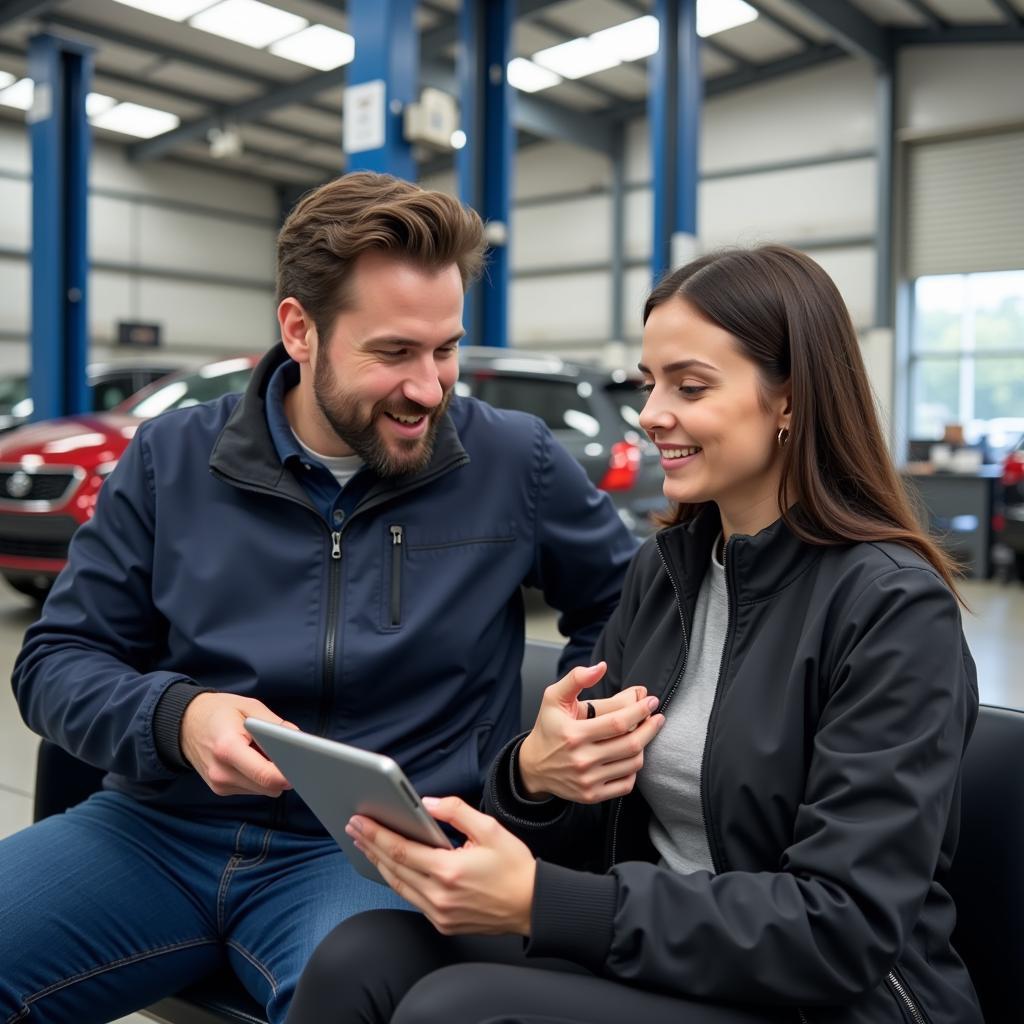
113,905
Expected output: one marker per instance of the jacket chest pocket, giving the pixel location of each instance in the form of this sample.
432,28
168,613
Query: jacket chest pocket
414,562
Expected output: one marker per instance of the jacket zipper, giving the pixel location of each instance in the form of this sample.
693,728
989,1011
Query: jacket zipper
397,534
331,639
904,995
668,696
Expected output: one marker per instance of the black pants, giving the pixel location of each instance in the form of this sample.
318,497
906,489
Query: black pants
391,965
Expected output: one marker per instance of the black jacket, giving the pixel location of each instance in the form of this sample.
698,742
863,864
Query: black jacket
830,787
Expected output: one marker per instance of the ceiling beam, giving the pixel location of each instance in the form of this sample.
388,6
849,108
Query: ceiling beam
1012,15
932,20
955,34
850,27
783,23
238,113
15,10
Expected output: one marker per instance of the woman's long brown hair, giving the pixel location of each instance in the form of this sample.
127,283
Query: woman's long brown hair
787,316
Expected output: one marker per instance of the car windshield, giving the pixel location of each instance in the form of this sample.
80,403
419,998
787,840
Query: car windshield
209,382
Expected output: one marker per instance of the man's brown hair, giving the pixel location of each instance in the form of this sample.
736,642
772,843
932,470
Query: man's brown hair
335,224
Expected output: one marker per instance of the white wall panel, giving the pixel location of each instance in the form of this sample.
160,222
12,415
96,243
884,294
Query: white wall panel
559,167
945,88
795,205
112,297
212,318
639,223
186,241
853,271
110,229
111,170
15,295
566,306
567,231
637,286
814,113
15,214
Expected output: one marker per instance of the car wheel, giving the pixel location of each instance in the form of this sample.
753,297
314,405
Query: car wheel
30,588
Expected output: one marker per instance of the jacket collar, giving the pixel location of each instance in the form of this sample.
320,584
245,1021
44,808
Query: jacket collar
757,566
245,453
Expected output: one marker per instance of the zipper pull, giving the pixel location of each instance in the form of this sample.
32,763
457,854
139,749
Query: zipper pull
396,535
336,545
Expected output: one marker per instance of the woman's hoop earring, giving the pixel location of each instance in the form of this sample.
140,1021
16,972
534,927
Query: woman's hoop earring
782,437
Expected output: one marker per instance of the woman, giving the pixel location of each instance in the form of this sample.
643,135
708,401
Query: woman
777,851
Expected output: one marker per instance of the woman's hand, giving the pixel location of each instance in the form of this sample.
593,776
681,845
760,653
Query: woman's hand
484,887
587,760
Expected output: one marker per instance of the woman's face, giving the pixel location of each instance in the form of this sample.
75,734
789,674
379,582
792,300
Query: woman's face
705,413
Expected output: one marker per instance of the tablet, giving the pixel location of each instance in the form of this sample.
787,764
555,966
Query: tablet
337,781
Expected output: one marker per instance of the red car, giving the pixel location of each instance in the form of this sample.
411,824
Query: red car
51,472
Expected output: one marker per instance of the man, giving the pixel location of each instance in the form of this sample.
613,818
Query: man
341,548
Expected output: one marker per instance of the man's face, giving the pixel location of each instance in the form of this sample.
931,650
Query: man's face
384,377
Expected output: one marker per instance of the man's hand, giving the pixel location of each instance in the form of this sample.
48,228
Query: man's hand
587,760
215,742
482,888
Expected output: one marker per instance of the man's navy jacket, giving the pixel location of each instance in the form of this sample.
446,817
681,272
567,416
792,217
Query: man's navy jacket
401,631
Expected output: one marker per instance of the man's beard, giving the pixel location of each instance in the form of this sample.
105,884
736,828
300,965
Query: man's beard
362,434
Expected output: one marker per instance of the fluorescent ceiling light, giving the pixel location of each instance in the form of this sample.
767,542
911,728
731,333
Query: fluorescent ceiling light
718,15
134,119
632,40
96,103
18,95
577,58
248,22
176,10
6,79
317,47
526,76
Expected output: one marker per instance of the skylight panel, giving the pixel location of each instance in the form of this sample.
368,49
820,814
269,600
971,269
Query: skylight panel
632,40
718,15
526,76
176,10
18,95
135,119
317,47
577,58
249,22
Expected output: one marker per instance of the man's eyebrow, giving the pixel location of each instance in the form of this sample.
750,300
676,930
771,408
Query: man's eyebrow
394,339
682,364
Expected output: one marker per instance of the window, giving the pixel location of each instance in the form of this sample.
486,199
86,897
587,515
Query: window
967,357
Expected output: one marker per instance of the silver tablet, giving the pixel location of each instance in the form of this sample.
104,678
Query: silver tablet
337,781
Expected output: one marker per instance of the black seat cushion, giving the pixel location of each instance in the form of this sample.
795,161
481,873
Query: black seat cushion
987,880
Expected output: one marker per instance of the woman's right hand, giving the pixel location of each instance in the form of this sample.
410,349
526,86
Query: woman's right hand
587,760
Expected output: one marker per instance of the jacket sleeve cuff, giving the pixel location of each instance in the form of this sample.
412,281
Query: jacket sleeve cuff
504,797
573,915
167,716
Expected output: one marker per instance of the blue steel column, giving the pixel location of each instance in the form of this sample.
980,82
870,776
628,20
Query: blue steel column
60,140
885,127
674,113
484,164
387,50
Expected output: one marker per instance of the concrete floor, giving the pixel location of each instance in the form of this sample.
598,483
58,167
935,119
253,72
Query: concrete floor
994,632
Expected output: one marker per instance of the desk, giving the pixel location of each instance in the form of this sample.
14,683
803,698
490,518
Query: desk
956,508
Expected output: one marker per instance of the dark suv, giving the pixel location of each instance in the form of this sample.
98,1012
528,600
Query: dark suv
593,412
